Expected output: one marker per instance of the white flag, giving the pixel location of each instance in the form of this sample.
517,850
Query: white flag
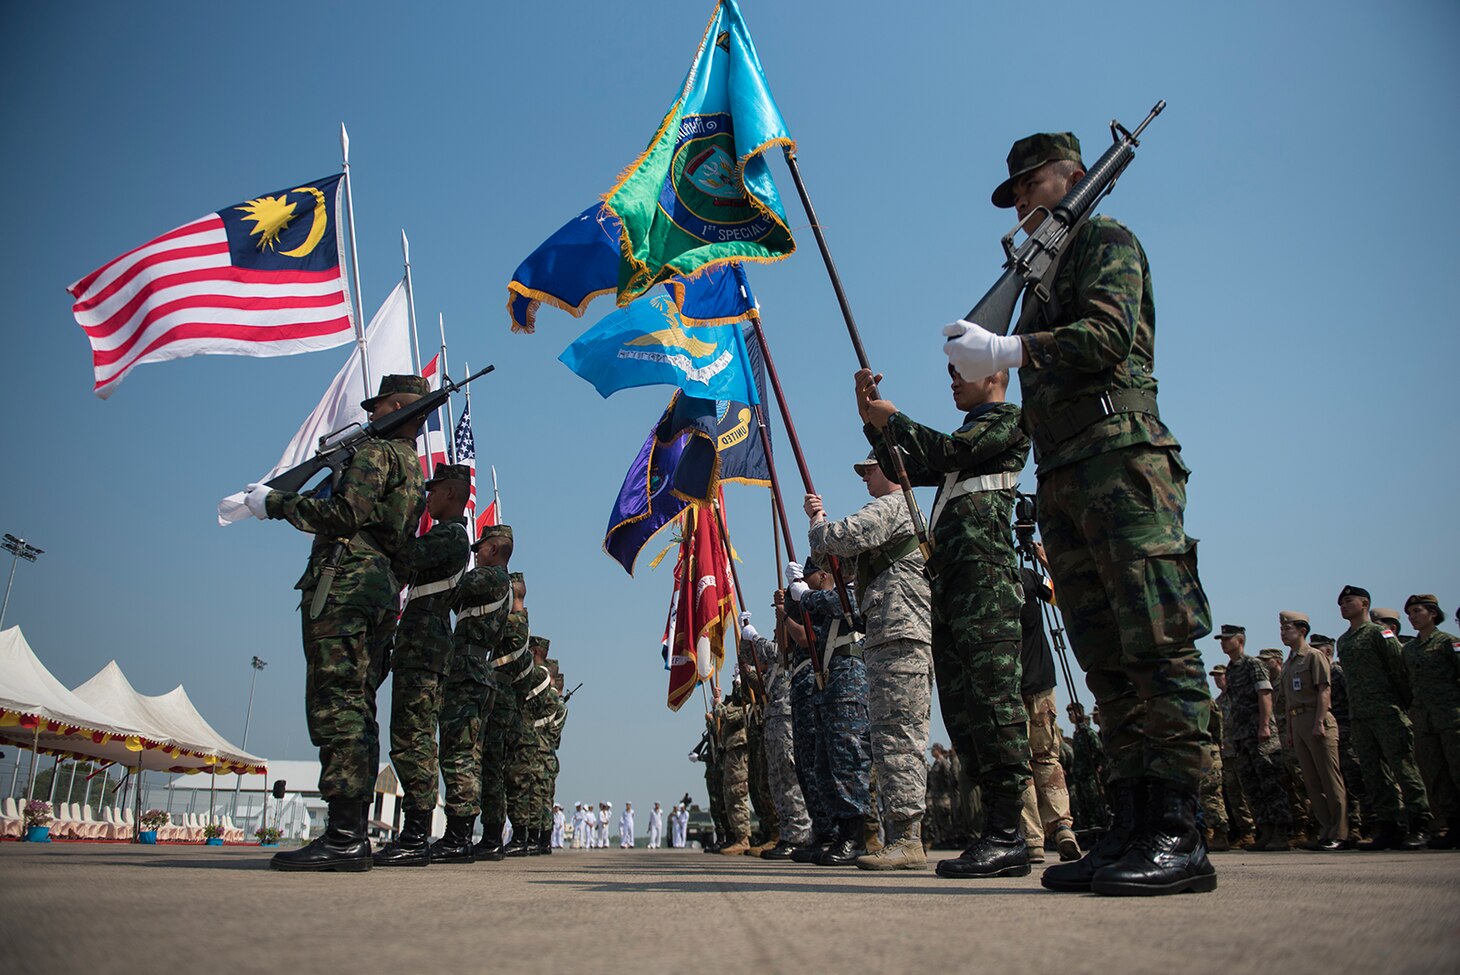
388,340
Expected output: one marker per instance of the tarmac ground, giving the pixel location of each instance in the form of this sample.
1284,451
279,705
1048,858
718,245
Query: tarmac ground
89,907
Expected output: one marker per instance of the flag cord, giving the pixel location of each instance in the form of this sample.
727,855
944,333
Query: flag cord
355,264
445,373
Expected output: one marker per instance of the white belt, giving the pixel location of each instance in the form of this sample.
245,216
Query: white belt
507,658
432,588
484,609
540,687
980,484
800,667
542,721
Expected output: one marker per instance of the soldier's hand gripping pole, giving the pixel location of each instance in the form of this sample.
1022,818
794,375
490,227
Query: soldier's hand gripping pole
920,527
1031,265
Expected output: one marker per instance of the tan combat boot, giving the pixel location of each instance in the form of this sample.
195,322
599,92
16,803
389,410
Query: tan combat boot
1067,844
870,839
760,848
904,854
736,848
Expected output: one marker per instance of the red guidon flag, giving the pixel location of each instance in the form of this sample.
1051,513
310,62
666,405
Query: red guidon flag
262,278
705,606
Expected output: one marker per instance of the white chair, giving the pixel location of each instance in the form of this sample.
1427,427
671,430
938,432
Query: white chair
12,823
62,825
84,830
173,830
108,820
99,829
192,828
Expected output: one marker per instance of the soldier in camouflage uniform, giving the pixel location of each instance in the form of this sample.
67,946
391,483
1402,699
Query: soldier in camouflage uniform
545,763
1215,827
843,728
712,754
976,598
433,563
500,735
768,823
896,604
524,780
553,735
1111,503
802,680
731,715
348,603
1241,831
1433,660
1251,728
794,823
1087,773
942,800
1378,694
483,602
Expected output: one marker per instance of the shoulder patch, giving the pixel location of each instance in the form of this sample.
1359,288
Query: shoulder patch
1388,633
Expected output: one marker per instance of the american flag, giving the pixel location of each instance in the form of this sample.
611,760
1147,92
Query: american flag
466,453
262,278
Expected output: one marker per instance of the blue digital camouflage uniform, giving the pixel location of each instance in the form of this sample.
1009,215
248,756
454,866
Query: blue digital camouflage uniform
1111,503
976,593
843,724
373,511
422,656
804,733
779,735
1378,691
483,603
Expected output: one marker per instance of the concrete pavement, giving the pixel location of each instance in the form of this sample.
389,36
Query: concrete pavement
72,907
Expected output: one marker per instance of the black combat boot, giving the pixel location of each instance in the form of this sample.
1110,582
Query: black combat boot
1387,836
534,842
1128,805
1447,839
811,853
848,845
455,844
1169,856
489,847
520,846
1417,837
545,841
783,850
412,848
999,852
342,847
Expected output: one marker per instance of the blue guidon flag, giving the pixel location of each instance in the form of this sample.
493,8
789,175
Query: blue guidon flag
261,278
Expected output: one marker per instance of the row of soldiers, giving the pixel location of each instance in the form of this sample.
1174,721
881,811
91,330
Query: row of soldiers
478,704
1338,739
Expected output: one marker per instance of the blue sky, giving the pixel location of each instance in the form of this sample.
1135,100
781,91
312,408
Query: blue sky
1306,341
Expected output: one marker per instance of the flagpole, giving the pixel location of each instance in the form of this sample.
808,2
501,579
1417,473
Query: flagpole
471,527
405,250
920,528
450,422
496,500
724,530
355,264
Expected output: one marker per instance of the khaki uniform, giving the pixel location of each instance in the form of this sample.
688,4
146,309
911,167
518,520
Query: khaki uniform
1306,673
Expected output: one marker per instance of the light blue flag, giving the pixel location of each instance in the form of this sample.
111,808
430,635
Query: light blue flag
647,343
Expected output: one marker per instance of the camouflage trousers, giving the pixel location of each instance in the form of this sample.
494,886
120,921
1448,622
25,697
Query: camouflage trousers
500,738
899,704
346,653
465,706
843,749
1437,751
1087,803
415,713
715,787
522,785
769,821
805,733
1046,797
1213,802
1126,575
735,783
544,773
1353,781
1239,814
1386,753
976,661
780,754
1264,782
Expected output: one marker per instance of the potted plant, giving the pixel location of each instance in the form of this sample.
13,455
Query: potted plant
37,821
213,834
152,819
268,835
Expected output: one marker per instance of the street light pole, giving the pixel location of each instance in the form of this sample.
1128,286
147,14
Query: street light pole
21,549
257,666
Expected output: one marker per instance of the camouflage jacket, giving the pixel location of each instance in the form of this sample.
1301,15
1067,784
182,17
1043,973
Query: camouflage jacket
975,526
538,694
777,680
554,727
375,509
1245,678
550,734
1373,667
730,716
479,638
1089,762
1434,670
1338,698
824,607
513,643
1214,729
423,637
1101,336
1222,719
897,604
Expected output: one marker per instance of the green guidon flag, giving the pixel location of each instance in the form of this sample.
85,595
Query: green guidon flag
701,193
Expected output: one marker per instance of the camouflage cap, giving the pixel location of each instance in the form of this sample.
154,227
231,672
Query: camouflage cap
1319,640
493,531
1386,614
810,565
518,577
1270,653
1031,152
538,641
1229,630
1218,669
390,385
1347,591
869,461
450,472
551,663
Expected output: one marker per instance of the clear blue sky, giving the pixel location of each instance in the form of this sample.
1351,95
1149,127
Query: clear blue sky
1306,339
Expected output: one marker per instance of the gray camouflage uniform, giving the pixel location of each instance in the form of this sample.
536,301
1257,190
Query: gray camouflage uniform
780,750
897,650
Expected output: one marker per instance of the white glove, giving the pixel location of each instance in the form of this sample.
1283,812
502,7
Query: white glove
793,572
255,498
978,353
748,632
797,589
744,619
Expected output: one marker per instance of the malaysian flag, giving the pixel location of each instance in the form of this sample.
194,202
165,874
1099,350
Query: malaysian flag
466,453
263,278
